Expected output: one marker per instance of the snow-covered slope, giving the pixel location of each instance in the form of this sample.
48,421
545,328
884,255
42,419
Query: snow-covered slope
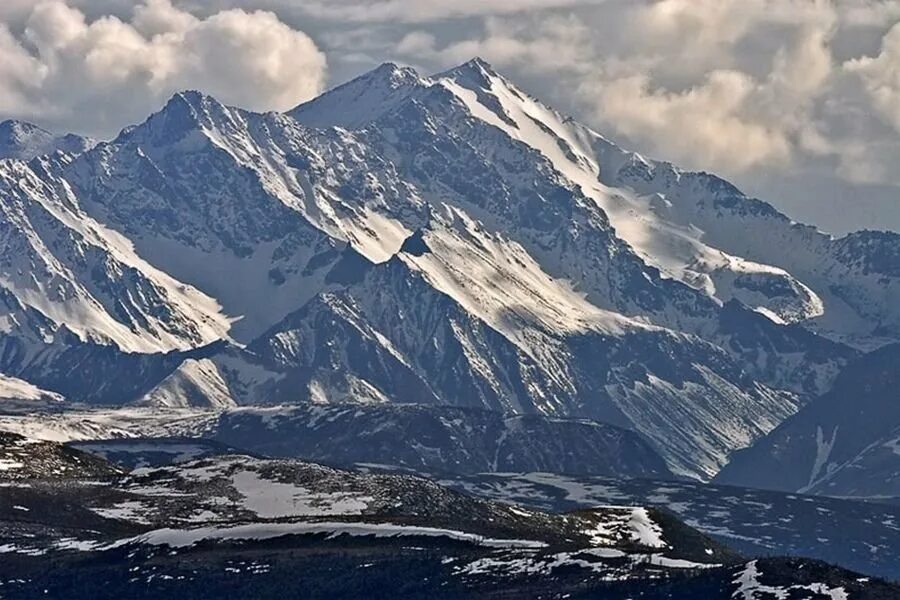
567,150
854,277
701,230
250,209
469,138
74,271
427,327
675,249
25,141
13,389
362,100
193,382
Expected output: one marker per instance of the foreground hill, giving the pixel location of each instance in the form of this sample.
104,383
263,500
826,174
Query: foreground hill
244,526
861,536
22,458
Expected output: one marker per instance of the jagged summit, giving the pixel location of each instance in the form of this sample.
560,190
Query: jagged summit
391,71
193,99
191,106
475,67
20,139
385,75
480,63
184,112
370,96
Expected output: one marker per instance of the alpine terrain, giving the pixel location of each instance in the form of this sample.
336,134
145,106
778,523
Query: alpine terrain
444,275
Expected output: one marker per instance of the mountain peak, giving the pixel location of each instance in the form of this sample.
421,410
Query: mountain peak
15,129
479,64
361,100
24,141
478,75
392,72
475,68
186,111
192,103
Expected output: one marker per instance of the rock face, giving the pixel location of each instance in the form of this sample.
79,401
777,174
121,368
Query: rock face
441,241
844,443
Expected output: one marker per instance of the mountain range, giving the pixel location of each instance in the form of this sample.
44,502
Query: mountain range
445,242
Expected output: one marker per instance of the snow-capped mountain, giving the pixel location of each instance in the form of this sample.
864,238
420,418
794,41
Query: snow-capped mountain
692,227
22,140
445,240
471,138
393,334
62,268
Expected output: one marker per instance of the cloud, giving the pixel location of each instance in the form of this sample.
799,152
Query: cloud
420,11
756,90
157,17
18,70
869,13
542,45
730,120
734,86
96,76
722,85
15,11
880,76
704,125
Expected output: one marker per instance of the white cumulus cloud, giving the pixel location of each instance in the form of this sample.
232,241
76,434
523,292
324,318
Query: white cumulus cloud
94,76
417,11
881,76
731,119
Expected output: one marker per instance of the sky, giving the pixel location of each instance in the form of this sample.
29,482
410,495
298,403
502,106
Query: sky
795,101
